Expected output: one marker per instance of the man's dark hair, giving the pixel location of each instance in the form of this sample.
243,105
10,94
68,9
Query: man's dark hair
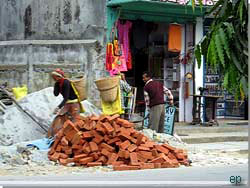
148,74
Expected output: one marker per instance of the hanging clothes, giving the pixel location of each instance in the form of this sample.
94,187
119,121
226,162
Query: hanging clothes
174,38
109,56
123,36
119,63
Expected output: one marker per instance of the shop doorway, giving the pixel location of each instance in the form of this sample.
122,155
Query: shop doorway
149,49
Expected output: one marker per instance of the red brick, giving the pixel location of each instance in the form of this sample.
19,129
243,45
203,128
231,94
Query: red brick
128,125
143,148
108,127
124,131
70,160
125,167
147,166
118,163
170,148
64,141
94,164
171,156
82,142
58,148
132,148
162,149
76,139
100,128
77,157
70,135
133,158
124,145
157,165
126,154
102,159
105,152
75,146
121,153
144,139
149,144
106,138
146,154
68,151
116,126
113,140
94,155
93,146
55,156
118,143
63,161
139,139
180,156
63,156
158,160
107,147
154,152
94,118
86,160
113,157
87,134
131,130
51,151
86,149
113,117
141,158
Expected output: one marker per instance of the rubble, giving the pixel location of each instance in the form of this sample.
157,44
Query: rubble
110,140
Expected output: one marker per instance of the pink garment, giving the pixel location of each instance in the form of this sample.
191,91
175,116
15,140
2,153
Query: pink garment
121,66
123,32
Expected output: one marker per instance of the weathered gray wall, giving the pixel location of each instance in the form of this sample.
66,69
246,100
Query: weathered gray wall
37,36
51,19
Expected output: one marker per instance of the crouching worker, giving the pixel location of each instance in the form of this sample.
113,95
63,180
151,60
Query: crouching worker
69,108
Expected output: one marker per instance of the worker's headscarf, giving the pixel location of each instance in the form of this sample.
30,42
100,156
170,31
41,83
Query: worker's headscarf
59,73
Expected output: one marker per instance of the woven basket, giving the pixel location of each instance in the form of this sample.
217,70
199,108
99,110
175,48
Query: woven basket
80,85
108,88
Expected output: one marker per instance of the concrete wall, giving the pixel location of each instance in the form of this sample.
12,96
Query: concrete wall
52,19
37,36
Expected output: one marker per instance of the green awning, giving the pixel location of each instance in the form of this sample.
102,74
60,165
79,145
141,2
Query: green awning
157,11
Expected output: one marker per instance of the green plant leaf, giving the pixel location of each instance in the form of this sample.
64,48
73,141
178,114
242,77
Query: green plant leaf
230,29
193,4
224,42
219,50
236,62
226,81
217,5
198,55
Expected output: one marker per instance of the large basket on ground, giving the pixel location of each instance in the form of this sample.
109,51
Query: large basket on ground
108,88
80,86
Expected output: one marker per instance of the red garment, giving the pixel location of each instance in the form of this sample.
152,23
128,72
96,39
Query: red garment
129,62
60,72
61,81
109,56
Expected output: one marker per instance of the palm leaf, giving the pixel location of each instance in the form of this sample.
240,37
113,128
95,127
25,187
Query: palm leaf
218,4
193,4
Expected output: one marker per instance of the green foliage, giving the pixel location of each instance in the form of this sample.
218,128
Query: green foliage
225,46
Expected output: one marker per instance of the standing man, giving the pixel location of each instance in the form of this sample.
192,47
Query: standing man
154,98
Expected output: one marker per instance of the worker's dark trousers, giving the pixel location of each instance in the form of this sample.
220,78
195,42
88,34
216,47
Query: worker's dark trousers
157,117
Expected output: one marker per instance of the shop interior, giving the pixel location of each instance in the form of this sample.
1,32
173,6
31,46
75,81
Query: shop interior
149,50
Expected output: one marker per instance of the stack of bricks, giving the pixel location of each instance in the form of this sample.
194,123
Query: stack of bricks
110,140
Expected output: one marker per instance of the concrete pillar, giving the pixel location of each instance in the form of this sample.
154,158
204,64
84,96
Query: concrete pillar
199,73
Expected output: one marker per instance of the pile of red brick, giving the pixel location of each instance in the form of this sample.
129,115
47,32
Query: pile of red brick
110,140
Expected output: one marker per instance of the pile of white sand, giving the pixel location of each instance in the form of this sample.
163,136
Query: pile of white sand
15,126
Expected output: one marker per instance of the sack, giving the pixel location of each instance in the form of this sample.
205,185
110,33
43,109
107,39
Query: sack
20,92
79,86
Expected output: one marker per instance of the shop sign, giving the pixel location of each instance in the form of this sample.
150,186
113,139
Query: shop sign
204,2
169,119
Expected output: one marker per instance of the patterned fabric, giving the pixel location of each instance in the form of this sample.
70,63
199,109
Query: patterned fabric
166,91
125,89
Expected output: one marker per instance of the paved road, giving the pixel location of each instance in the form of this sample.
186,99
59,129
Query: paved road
181,177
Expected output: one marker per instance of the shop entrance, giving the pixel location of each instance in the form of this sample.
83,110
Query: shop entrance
149,50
